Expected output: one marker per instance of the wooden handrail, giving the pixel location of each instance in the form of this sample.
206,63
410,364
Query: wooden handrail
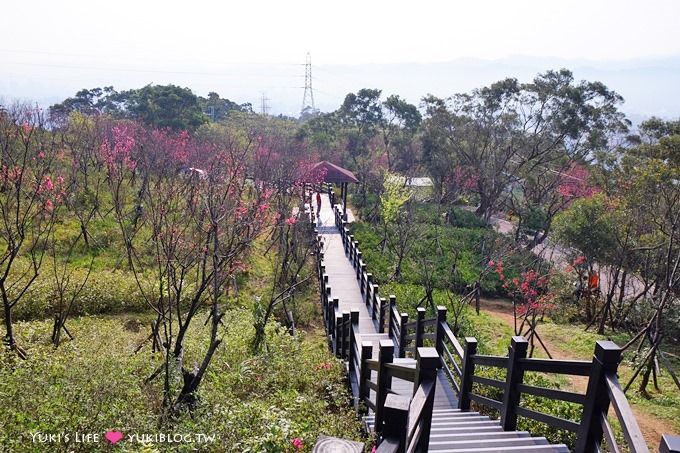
451,339
569,367
629,426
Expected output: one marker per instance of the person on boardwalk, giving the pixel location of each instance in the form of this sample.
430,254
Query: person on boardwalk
318,203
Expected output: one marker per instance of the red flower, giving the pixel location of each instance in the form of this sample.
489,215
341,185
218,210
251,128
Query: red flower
297,443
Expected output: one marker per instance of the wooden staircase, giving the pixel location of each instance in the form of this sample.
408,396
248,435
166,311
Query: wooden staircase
456,431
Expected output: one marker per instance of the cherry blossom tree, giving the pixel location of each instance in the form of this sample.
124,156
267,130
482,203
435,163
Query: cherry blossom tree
29,195
193,232
532,294
291,243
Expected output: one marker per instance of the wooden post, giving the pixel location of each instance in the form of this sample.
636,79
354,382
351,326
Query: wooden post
439,330
360,265
383,313
375,296
328,306
330,317
391,323
385,356
420,329
344,196
402,334
344,334
427,362
468,372
337,337
369,285
321,268
396,423
669,444
353,328
336,306
364,374
513,378
589,434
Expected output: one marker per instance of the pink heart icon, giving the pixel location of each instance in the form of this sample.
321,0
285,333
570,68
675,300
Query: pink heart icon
114,436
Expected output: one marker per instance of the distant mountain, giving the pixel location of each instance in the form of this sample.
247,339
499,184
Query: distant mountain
649,86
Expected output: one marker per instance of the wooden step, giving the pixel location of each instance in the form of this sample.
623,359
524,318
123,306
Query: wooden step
487,442
453,438
503,449
481,430
457,421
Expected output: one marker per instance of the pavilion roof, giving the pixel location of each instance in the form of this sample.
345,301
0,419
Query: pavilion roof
334,173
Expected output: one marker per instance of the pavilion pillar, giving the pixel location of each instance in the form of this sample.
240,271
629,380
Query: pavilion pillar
344,196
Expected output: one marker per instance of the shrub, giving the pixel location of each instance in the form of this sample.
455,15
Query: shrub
294,390
105,292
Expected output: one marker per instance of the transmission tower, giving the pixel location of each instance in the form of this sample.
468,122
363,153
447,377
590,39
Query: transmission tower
308,97
264,105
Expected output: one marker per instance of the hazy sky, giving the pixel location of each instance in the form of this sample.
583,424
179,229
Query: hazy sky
60,46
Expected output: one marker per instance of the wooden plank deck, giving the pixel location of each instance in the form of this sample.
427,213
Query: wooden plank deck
345,287
452,430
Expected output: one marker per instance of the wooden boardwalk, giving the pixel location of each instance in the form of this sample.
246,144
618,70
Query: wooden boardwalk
342,278
451,429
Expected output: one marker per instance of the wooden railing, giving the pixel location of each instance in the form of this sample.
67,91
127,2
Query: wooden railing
459,364
603,390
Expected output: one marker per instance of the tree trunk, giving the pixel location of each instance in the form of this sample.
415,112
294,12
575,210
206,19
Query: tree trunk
9,338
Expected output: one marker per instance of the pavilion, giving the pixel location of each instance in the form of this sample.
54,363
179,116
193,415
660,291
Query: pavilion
334,174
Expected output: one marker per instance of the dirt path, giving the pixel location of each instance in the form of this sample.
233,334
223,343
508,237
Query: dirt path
652,427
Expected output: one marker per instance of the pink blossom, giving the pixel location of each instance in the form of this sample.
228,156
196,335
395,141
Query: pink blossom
297,443
291,221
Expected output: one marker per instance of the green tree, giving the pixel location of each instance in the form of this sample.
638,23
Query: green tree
509,131
217,109
653,169
401,123
90,102
157,106
164,106
361,115
400,232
